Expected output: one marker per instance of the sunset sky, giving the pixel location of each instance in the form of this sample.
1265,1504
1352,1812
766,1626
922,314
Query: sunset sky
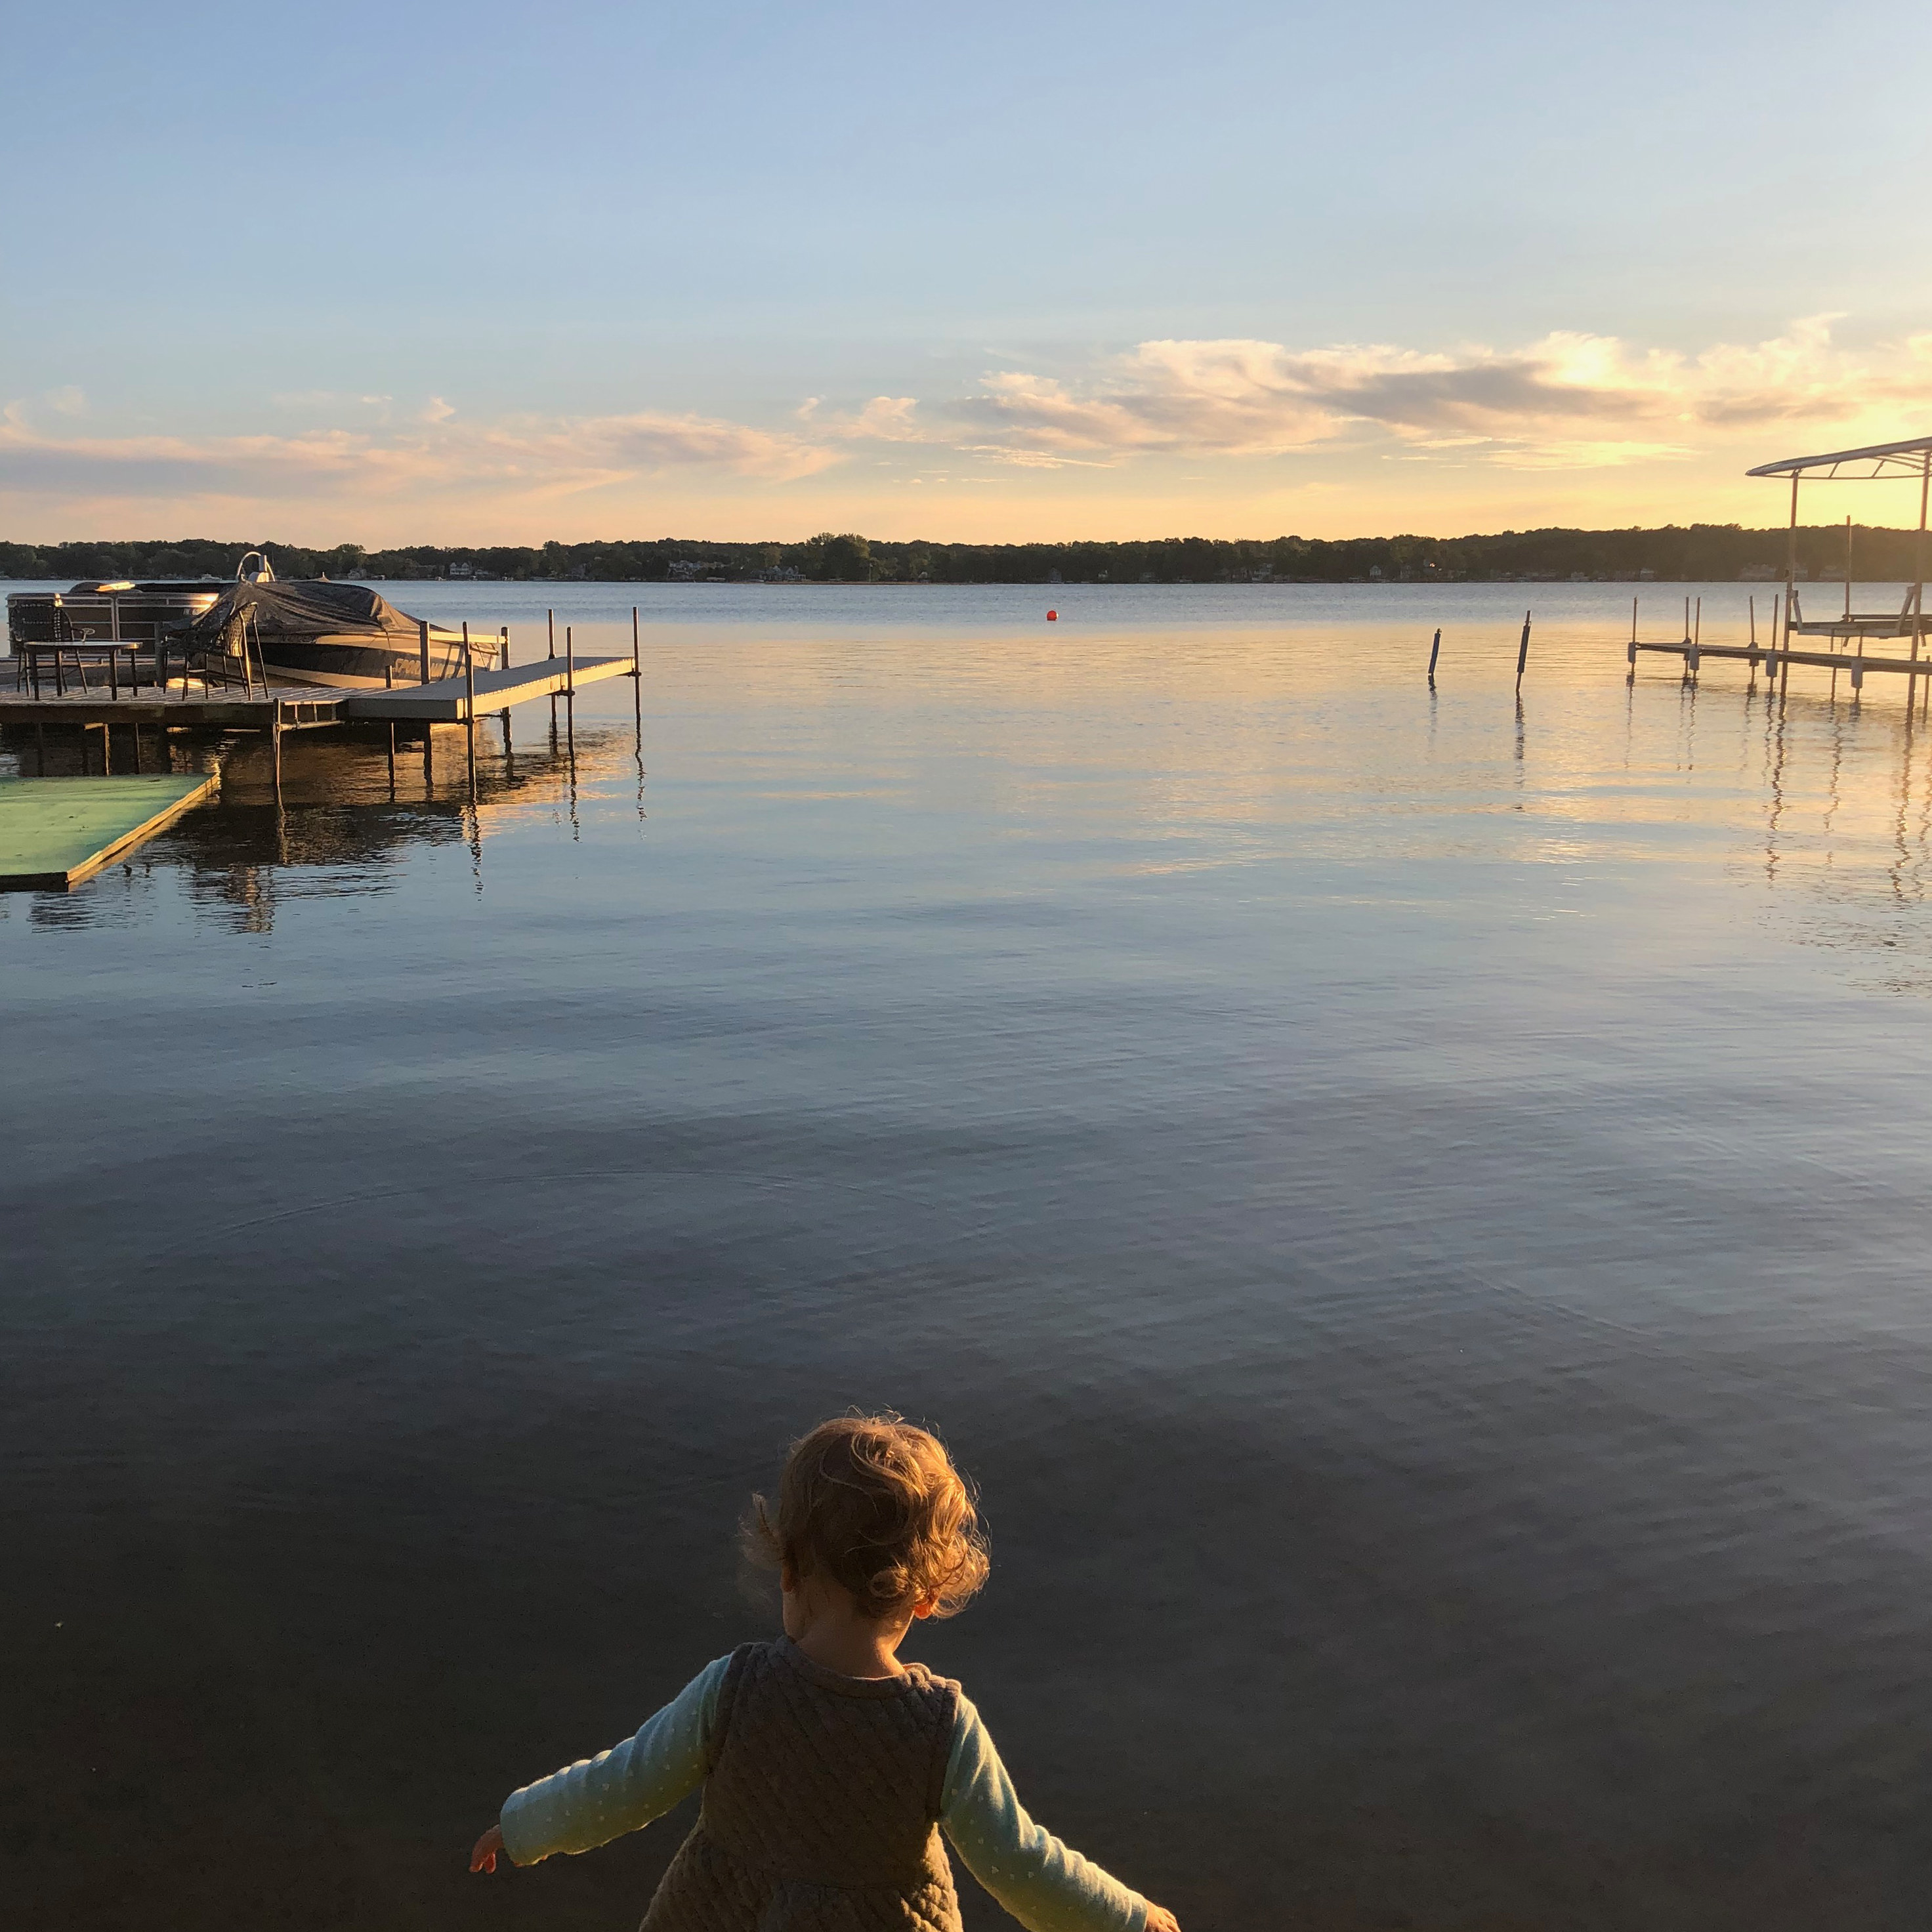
505,273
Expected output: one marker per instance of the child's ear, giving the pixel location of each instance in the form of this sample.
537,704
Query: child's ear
925,1607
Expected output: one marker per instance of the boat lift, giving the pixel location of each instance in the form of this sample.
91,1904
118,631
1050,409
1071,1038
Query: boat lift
1847,633
1881,463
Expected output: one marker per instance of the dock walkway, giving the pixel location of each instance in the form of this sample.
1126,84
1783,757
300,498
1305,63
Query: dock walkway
446,700
55,832
1773,657
294,707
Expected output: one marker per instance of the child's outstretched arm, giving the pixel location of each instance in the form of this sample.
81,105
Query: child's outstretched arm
1045,1885
597,1799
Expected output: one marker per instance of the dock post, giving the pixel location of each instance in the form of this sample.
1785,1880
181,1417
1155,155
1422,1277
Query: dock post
389,684
1523,652
275,731
1435,652
503,648
569,665
469,708
550,627
1858,670
422,650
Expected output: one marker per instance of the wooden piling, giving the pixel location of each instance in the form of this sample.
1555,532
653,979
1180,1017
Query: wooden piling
422,648
1523,652
1435,652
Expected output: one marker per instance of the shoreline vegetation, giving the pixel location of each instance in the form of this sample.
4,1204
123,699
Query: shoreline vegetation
1697,552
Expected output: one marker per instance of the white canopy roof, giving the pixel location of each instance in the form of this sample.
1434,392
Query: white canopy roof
1886,459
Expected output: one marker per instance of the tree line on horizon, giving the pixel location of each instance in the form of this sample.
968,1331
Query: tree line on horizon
1698,552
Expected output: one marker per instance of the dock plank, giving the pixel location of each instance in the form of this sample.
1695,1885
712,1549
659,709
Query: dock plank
445,700
55,832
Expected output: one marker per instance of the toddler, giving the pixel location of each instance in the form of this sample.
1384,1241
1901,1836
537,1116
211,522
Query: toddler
829,1767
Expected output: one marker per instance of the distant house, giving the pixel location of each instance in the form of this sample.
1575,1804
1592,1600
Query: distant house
1760,573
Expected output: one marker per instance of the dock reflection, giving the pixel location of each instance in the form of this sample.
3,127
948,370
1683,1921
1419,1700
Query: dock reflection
352,806
1847,823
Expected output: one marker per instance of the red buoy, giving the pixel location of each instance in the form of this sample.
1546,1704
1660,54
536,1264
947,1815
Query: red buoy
1053,616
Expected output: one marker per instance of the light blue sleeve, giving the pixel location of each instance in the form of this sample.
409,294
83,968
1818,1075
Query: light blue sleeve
621,1789
1046,1886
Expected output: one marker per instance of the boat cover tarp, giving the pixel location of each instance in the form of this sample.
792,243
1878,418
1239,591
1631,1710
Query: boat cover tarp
302,610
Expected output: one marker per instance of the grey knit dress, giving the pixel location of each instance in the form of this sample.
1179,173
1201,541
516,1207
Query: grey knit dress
821,1803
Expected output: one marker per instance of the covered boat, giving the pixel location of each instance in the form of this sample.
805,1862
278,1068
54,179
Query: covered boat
332,633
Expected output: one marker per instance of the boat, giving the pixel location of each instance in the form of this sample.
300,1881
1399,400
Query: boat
122,612
294,630
344,635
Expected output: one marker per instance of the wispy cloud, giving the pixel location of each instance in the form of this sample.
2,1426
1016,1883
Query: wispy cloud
1567,401
535,457
1384,418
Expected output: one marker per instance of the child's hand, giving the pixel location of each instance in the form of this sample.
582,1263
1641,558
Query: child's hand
484,1858
1159,1919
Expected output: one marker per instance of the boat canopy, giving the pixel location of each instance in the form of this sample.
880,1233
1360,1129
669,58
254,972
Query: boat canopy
293,609
1910,458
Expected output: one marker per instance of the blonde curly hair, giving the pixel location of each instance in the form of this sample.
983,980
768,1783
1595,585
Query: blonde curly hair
874,1502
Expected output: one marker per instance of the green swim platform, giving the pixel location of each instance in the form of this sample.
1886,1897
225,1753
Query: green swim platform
55,832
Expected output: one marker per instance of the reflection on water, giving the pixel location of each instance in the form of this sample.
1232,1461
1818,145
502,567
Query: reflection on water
351,804
1410,1203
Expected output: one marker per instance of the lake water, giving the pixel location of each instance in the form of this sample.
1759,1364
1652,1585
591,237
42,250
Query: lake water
1413,1208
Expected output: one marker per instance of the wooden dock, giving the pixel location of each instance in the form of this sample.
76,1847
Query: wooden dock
1771,657
447,700
55,832
294,707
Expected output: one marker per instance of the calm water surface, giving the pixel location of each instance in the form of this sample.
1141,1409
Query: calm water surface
1412,1207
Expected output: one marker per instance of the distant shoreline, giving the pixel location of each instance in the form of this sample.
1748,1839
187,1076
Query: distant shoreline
1693,553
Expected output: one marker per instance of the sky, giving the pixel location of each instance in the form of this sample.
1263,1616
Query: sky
505,273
